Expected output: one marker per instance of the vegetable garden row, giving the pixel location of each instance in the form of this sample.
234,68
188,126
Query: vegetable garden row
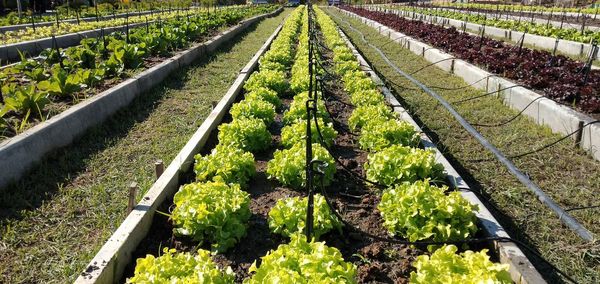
31,33
557,77
518,7
566,32
34,90
101,9
245,206
550,18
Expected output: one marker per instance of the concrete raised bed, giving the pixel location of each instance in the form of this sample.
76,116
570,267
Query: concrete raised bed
4,29
109,263
543,111
567,47
20,153
10,52
521,269
527,18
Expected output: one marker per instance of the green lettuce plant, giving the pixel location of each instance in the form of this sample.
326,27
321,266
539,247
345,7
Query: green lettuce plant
288,165
271,79
379,134
231,164
300,261
296,133
213,212
61,84
445,266
344,67
297,110
254,109
363,114
367,97
288,217
248,134
174,267
398,163
421,211
266,95
354,82
24,100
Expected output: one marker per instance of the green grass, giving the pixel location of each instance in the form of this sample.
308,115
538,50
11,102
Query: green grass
56,218
567,174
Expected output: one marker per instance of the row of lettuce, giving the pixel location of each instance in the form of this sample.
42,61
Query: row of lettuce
215,209
74,73
412,206
566,33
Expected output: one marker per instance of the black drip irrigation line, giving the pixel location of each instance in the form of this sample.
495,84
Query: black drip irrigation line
463,87
510,119
432,64
339,124
564,217
582,208
352,173
486,94
544,147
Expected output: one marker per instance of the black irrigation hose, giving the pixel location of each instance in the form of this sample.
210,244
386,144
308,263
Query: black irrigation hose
463,87
486,94
583,207
511,119
324,144
510,166
431,64
339,124
542,147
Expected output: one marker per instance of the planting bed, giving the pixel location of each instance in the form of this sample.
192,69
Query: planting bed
573,49
524,23
556,77
62,78
198,216
564,172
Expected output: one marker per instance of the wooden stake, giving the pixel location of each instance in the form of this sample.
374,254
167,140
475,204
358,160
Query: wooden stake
159,166
133,187
579,134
